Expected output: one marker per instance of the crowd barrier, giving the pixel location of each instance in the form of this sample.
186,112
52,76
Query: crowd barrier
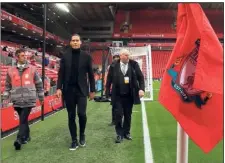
10,118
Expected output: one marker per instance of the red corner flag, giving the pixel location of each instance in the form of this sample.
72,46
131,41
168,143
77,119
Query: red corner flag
192,86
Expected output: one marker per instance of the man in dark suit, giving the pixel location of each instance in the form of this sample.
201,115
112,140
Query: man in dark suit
127,88
75,66
115,58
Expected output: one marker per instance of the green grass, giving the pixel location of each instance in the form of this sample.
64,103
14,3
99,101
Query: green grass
51,139
163,136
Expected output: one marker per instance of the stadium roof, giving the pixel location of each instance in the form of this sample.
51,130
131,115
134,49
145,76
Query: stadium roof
63,23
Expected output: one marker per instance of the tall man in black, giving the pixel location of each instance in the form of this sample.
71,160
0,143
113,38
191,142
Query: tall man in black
115,58
75,65
127,88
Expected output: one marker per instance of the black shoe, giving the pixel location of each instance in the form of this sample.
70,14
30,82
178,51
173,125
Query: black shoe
74,146
119,139
17,145
128,137
25,140
82,141
28,139
112,124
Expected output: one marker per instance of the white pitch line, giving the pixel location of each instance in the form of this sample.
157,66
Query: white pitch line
33,123
147,142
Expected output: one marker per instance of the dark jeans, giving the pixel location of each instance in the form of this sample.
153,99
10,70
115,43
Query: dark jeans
76,102
113,114
123,109
24,131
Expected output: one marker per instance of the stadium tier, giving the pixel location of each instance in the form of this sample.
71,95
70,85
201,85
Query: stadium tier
160,107
158,22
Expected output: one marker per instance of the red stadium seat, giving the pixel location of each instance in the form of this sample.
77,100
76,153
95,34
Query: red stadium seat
159,61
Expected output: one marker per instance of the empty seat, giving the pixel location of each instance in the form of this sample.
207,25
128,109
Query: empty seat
159,61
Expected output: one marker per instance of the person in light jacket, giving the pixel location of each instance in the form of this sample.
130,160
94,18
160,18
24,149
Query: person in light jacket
23,85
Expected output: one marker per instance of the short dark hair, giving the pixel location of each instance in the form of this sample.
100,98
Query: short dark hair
116,56
20,51
75,35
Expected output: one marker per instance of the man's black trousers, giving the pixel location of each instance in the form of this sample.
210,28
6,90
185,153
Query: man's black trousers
113,114
24,131
123,109
76,103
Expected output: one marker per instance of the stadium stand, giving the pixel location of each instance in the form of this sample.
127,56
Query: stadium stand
134,27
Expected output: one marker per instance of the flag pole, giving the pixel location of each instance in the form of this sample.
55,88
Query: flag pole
43,56
182,145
